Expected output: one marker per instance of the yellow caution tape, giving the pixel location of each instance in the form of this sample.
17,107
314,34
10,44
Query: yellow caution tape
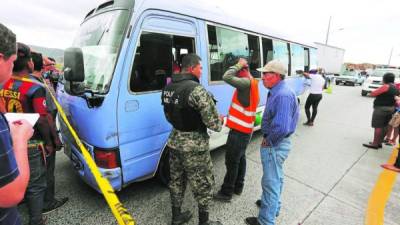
120,212
380,194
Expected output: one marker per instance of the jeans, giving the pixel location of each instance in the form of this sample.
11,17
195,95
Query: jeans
50,180
36,186
235,162
272,159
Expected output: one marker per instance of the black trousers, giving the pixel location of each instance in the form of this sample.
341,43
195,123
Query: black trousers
312,100
50,179
235,161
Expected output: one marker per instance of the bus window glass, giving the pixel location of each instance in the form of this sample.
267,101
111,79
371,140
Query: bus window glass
225,46
281,52
254,59
313,58
157,57
297,61
306,59
268,51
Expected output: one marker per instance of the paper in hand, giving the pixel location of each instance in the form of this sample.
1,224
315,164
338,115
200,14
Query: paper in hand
30,117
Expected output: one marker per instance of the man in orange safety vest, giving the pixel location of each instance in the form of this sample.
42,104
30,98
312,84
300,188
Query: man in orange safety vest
240,120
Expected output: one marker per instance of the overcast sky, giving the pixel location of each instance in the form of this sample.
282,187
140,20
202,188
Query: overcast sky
367,29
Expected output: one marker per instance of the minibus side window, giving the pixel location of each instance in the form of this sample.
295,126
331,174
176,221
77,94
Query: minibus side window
254,59
268,51
281,52
313,58
306,59
157,57
226,45
297,58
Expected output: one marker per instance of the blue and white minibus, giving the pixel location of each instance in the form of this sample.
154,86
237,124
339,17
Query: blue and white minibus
125,53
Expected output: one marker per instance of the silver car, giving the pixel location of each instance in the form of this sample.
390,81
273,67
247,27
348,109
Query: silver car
350,77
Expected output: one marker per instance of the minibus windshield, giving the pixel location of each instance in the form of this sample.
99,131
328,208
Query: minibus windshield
100,38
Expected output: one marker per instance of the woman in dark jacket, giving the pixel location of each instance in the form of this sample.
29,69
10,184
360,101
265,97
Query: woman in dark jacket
383,109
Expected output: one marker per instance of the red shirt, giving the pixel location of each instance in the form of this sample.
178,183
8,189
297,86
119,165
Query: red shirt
22,95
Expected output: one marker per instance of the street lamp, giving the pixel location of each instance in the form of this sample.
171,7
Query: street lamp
328,31
390,56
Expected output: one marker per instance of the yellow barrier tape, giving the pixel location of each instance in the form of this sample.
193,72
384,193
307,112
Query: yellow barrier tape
120,212
380,194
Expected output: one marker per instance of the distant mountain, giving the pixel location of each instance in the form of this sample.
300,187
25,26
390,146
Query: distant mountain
57,54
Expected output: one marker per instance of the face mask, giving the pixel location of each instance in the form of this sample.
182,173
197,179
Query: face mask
244,72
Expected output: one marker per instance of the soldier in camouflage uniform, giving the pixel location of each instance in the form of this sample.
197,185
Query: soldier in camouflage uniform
191,110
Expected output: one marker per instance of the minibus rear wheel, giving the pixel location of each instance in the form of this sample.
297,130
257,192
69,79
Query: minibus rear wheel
163,173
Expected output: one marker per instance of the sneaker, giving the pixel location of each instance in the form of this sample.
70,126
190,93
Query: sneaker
252,221
55,205
391,167
222,197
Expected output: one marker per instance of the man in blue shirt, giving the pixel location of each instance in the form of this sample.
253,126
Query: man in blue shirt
279,121
14,166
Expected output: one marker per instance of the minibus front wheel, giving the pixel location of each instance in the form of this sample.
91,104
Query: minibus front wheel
163,173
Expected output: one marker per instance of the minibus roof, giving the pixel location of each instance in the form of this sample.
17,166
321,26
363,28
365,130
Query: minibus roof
205,10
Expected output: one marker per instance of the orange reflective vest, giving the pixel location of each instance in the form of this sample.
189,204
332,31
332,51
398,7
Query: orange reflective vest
242,118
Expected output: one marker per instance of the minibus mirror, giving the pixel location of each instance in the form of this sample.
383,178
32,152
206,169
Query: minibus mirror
73,65
76,88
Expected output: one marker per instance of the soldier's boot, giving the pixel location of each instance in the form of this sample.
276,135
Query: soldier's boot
179,217
203,219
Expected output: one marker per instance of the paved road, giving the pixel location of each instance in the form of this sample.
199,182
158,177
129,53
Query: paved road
328,177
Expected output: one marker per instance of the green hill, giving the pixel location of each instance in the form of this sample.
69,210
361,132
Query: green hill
57,54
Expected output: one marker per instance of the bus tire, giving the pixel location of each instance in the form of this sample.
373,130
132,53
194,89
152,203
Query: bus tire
163,173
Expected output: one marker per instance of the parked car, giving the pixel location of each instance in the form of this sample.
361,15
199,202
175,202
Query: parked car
351,77
374,81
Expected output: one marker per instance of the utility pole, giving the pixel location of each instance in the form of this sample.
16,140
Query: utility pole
390,56
327,32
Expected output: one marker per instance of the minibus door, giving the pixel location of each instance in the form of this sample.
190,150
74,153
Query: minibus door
143,129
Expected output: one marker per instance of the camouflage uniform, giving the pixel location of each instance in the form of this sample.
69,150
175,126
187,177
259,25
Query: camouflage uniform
190,159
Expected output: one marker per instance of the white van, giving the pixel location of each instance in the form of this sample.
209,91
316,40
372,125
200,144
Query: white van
374,81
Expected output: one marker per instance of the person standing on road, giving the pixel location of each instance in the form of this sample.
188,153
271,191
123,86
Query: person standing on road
383,109
26,96
279,122
191,110
50,202
240,120
14,169
315,96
